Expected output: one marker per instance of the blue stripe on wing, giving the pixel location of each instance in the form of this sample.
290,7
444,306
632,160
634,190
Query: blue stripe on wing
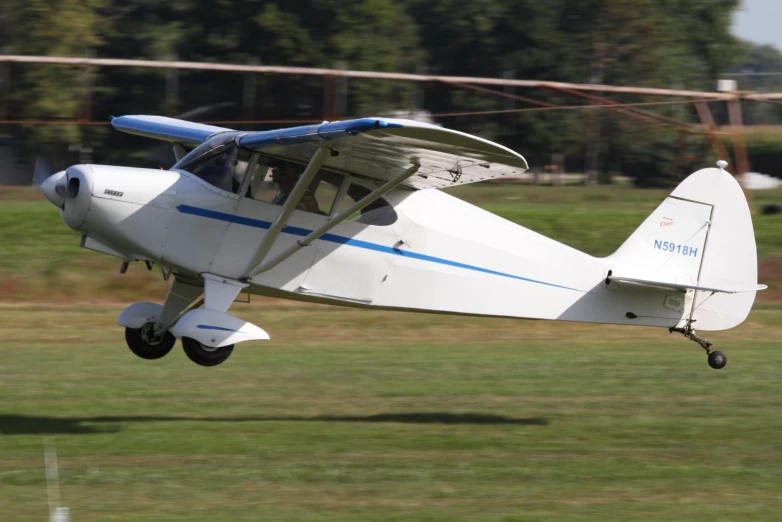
169,129
309,133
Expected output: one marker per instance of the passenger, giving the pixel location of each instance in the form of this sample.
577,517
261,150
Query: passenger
285,176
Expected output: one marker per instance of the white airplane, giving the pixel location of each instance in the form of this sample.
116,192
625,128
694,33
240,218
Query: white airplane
349,213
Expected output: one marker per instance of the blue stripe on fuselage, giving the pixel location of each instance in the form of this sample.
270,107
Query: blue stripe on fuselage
342,240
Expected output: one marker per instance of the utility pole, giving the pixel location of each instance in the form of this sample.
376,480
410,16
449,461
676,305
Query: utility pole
329,97
593,131
739,146
509,100
172,87
417,100
86,86
250,92
737,134
341,94
5,88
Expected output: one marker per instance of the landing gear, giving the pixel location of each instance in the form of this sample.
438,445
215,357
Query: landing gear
205,355
717,359
145,344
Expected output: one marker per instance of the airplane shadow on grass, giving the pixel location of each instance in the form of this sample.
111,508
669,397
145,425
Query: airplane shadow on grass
38,425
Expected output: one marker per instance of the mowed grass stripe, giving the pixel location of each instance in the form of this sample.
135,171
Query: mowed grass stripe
319,428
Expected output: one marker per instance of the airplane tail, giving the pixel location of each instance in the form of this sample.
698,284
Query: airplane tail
699,240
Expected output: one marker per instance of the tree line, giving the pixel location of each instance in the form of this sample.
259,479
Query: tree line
654,43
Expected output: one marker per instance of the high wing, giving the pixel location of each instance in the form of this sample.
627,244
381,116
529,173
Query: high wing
167,129
375,148
380,148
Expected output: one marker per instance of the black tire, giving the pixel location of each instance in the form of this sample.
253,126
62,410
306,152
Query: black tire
141,342
717,360
204,355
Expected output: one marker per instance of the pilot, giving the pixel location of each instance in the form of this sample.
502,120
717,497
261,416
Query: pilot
285,176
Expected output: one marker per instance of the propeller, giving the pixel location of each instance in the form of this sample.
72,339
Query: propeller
41,171
54,185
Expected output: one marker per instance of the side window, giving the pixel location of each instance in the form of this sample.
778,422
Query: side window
273,184
215,169
325,188
223,166
379,212
262,188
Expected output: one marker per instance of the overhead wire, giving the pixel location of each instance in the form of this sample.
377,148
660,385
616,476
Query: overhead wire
434,115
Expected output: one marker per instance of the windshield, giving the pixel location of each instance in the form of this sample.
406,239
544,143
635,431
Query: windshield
219,161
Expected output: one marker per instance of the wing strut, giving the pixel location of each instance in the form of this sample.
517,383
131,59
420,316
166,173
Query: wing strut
290,204
336,220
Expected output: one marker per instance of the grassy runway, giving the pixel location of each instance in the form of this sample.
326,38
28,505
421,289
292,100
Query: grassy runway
360,415
351,415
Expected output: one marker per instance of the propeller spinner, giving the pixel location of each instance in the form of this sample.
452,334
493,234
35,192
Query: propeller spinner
55,187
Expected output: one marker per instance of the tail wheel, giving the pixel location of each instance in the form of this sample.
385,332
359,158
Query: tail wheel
205,355
145,344
717,360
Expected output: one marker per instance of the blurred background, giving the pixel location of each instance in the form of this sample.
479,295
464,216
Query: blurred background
60,112
364,415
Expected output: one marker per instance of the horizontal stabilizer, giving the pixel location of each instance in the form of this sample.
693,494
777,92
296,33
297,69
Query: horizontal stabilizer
734,289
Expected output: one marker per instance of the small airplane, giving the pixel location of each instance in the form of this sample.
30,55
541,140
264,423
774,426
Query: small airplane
349,213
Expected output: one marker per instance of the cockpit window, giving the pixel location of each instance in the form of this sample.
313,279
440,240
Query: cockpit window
277,178
219,162
222,163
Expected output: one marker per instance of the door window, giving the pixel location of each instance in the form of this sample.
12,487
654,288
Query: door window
274,183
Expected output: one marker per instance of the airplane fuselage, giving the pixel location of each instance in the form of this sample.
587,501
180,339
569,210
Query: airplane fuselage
440,254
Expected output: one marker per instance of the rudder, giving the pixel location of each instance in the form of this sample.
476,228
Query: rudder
701,235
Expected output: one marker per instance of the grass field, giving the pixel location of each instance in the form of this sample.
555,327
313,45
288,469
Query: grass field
350,415
360,415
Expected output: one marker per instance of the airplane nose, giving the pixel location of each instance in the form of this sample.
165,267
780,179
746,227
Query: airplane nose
54,188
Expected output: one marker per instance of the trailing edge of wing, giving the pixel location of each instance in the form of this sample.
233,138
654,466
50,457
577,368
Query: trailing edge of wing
168,129
684,287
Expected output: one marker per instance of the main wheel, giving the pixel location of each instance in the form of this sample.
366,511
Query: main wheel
143,342
205,355
717,360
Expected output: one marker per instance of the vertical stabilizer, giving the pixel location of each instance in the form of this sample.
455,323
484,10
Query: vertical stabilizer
701,235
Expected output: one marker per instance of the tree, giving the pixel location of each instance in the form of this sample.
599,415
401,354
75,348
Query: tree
664,43
59,28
